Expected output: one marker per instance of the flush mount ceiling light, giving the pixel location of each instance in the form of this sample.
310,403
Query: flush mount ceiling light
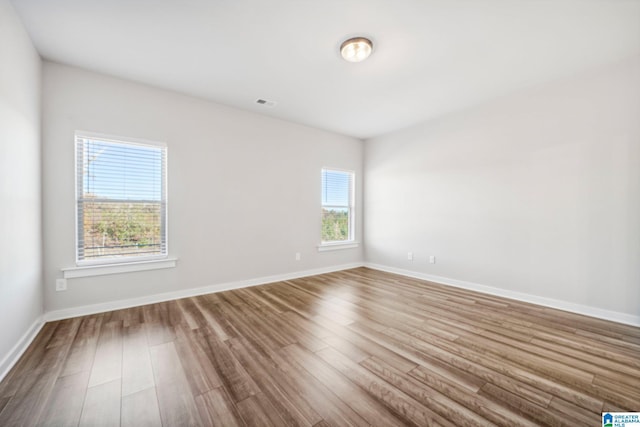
356,49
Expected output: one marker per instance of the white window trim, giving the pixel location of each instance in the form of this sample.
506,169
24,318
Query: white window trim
95,267
336,246
351,243
123,267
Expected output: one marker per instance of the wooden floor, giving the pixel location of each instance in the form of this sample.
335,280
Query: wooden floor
358,347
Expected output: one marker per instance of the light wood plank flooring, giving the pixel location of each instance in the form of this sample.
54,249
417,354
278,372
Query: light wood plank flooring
358,347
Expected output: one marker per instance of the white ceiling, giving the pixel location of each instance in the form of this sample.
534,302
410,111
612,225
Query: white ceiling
430,57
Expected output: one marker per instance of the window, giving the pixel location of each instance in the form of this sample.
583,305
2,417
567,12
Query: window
121,197
337,206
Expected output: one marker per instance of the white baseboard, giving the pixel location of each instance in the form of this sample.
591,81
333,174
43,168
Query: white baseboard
168,296
14,354
599,313
11,358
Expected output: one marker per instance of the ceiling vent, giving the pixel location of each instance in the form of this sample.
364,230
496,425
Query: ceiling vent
266,102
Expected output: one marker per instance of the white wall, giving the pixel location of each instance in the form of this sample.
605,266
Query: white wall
20,201
244,189
537,193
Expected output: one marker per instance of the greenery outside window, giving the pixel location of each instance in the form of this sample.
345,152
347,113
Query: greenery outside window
121,200
337,206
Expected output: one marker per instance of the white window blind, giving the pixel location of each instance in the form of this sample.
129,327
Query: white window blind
121,199
337,206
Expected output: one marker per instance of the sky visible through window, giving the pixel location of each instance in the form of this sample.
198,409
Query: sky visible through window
122,171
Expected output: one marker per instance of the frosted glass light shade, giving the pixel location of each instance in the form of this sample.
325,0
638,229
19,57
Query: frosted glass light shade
356,49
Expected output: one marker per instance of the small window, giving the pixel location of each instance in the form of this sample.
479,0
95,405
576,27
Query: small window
121,196
337,206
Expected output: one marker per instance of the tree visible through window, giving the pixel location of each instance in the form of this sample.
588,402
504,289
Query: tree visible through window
337,206
121,199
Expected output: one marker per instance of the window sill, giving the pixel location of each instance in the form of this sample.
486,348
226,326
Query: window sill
127,267
337,246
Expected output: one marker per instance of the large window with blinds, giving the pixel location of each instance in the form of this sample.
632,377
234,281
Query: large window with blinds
337,206
121,195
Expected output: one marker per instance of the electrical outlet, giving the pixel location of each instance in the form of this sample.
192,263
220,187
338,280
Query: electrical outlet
432,259
298,257
61,285
410,256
